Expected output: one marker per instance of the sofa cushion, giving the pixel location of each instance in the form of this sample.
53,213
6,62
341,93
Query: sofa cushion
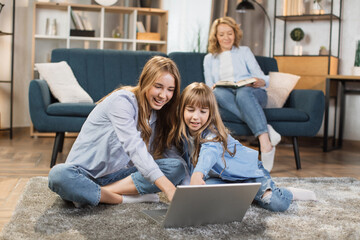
190,66
62,82
267,64
100,71
70,109
272,114
280,86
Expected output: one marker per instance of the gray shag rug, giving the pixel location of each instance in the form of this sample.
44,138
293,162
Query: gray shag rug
41,214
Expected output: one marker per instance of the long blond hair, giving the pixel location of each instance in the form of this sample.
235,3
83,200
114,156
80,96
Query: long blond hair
200,95
214,46
165,130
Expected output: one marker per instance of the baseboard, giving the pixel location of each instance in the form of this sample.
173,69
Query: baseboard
35,133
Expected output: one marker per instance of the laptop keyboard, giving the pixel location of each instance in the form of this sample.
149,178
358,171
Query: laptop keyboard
159,218
157,215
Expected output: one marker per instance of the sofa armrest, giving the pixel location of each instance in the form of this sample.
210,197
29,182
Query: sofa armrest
310,101
39,100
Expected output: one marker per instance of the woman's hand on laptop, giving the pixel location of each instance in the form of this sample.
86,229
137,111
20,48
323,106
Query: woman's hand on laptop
197,179
166,186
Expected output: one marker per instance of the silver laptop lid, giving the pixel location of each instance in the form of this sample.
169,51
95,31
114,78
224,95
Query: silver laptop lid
203,204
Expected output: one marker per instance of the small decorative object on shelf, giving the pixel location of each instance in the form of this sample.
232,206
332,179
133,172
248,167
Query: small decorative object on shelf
356,68
323,51
106,2
82,33
151,36
117,33
316,7
51,27
297,34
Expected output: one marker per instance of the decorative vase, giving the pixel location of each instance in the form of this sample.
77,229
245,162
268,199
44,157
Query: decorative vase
316,8
117,33
323,51
298,49
356,71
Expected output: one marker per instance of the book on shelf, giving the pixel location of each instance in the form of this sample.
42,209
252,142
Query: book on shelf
140,27
76,19
237,84
87,24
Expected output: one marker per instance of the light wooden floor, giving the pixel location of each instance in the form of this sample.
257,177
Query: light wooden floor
24,157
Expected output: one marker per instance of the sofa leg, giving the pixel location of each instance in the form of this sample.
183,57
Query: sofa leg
296,153
59,142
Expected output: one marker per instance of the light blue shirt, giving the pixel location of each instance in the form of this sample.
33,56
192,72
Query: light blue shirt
109,139
243,165
244,65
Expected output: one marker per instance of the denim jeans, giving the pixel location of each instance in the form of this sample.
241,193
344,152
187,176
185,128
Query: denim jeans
74,184
247,104
278,201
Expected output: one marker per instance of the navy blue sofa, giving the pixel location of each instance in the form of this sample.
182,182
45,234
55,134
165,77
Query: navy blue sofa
101,71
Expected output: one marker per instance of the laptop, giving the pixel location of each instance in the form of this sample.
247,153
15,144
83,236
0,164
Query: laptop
194,205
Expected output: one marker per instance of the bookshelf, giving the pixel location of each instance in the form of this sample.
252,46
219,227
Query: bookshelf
104,20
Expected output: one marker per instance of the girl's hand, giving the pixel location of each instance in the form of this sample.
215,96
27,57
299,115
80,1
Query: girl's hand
259,83
197,179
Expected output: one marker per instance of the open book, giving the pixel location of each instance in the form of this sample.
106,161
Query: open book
237,84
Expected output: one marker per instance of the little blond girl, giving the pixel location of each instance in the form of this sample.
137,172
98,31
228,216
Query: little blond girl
213,156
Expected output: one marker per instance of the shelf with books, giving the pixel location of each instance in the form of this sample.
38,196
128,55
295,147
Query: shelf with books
95,26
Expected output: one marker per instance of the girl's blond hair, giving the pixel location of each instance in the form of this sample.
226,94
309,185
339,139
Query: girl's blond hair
200,95
214,46
166,121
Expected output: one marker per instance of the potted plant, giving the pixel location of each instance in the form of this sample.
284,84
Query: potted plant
323,51
356,68
297,34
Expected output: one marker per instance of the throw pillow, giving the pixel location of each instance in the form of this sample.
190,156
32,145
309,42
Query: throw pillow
62,82
280,86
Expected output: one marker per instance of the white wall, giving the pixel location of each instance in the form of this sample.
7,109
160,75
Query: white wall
185,17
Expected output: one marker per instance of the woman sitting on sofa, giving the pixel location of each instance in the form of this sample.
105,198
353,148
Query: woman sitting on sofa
228,61
123,152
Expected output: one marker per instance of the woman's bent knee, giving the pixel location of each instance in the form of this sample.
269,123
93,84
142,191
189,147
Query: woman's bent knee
58,176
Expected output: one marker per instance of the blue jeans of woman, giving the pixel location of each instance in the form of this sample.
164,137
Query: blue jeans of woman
247,104
74,184
278,200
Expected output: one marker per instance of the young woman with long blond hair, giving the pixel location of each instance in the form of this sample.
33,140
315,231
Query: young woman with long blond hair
124,152
213,156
